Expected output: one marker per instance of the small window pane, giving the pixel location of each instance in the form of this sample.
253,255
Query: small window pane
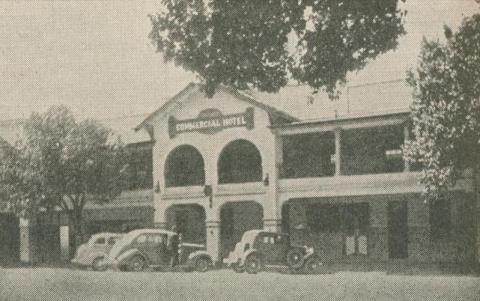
142,239
100,241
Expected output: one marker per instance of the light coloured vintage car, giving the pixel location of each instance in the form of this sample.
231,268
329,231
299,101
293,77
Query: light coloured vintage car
92,253
259,248
156,248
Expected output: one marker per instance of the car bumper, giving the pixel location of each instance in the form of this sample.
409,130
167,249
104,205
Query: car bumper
111,264
78,262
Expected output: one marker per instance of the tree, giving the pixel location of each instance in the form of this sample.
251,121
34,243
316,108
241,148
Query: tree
446,108
60,163
245,43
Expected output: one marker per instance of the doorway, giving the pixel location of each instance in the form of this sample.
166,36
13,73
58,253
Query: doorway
235,219
398,229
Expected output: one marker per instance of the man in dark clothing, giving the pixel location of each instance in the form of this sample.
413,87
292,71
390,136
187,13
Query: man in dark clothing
174,247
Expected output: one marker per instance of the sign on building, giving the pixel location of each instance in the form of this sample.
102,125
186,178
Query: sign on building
211,121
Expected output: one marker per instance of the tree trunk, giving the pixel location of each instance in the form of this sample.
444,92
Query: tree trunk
76,222
476,196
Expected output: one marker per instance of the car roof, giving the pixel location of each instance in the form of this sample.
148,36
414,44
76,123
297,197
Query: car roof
106,234
256,232
154,231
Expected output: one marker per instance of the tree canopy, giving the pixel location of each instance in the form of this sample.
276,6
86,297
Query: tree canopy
61,163
245,43
446,107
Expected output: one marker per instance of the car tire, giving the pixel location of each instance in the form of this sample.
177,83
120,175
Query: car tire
202,264
295,259
238,268
137,264
253,264
97,264
313,265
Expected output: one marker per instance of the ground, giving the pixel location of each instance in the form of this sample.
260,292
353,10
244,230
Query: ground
69,284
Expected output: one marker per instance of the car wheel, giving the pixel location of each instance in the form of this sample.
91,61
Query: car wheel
313,265
202,264
238,268
295,259
253,264
97,264
137,264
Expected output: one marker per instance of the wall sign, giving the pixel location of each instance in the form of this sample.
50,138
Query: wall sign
211,121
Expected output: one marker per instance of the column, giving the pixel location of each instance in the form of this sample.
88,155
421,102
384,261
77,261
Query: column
406,137
338,152
160,214
213,239
25,240
272,211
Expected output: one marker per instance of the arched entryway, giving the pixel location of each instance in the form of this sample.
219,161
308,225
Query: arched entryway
189,220
239,162
184,166
235,219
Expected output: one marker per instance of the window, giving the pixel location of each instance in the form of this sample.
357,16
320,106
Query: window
158,239
100,241
140,168
184,167
112,240
142,239
239,162
440,221
323,218
308,155
372,150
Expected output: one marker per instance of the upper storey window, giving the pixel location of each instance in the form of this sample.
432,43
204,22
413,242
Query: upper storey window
184,167
239,162
308,155
372,150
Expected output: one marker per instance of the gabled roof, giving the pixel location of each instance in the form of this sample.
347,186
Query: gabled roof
295,103
276,116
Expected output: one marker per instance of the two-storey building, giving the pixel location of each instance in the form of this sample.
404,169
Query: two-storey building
334,179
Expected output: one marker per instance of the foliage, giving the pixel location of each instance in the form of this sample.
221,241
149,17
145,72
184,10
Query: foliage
245,43
61,163
446,108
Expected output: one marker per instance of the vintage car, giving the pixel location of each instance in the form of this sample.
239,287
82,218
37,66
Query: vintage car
259,248
92,253
155,248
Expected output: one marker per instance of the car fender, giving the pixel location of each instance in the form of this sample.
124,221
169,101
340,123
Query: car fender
192,257
308,255
234,256
125,256
93,255
246,254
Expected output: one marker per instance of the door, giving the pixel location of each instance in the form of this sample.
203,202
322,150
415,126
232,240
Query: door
355,224
398,229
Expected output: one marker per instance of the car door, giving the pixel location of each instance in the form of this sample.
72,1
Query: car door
151,249
267,247
98,245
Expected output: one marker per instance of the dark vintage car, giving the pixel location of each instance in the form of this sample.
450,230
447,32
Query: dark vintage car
259,248
155,248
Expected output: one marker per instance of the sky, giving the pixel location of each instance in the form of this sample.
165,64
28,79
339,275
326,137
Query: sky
96,58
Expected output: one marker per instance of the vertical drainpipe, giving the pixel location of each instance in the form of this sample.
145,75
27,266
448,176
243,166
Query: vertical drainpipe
338,152
406,137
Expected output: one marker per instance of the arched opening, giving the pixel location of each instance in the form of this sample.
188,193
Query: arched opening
240,162
184,167
188,220
235,219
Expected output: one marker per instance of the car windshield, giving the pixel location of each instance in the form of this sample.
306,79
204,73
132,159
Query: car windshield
122,242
